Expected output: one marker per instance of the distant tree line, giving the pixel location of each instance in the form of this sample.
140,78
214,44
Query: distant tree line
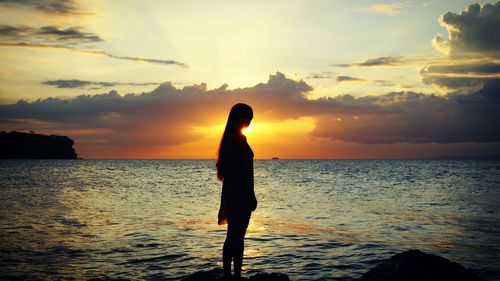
18,145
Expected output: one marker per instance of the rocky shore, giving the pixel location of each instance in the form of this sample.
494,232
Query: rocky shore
412,265
216,274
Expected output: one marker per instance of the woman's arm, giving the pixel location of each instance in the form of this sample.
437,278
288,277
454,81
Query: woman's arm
222,214
222,197
252,191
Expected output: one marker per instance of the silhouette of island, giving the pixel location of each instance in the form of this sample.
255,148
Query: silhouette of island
18,145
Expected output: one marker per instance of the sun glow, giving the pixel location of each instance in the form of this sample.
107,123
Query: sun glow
246,130
267,139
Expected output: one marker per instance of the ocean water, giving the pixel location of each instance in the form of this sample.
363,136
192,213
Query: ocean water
316,220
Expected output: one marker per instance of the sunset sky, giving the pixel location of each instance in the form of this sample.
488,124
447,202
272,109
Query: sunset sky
327,79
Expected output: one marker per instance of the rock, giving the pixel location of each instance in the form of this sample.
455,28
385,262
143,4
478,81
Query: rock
269,277
414,265
216,275
210,275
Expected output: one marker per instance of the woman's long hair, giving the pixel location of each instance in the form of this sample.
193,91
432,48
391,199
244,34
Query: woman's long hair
240,116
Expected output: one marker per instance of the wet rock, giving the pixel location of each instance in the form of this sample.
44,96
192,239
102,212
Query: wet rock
216,275
210,275
269,277
414,265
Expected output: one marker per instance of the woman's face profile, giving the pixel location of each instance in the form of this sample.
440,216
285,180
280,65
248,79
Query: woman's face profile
246,123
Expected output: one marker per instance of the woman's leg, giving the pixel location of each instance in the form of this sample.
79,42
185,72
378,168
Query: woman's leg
227,252
238,243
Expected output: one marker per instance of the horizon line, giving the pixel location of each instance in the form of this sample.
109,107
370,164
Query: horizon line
440,157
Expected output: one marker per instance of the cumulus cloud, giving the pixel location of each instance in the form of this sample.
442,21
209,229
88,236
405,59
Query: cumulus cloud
76,83
475,30
472,48
168,110
60,7
418,118
167,114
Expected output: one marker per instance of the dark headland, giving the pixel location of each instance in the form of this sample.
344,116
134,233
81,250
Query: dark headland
18,145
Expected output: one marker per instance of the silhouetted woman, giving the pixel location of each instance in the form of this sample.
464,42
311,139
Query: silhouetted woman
235,170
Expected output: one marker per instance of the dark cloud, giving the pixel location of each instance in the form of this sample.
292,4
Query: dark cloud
61,7
70,38
158,61
70,33
166,109
418,118
473,50
94,52
475,30
75,83
349,79
322,75
47,34
357,79
484,68
460,77
387,61
407,86
166,115
384,83
382,61
9,121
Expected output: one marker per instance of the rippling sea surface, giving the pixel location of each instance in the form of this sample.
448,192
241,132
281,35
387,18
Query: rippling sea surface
316,220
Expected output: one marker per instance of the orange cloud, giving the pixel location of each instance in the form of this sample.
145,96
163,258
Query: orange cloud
187,122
